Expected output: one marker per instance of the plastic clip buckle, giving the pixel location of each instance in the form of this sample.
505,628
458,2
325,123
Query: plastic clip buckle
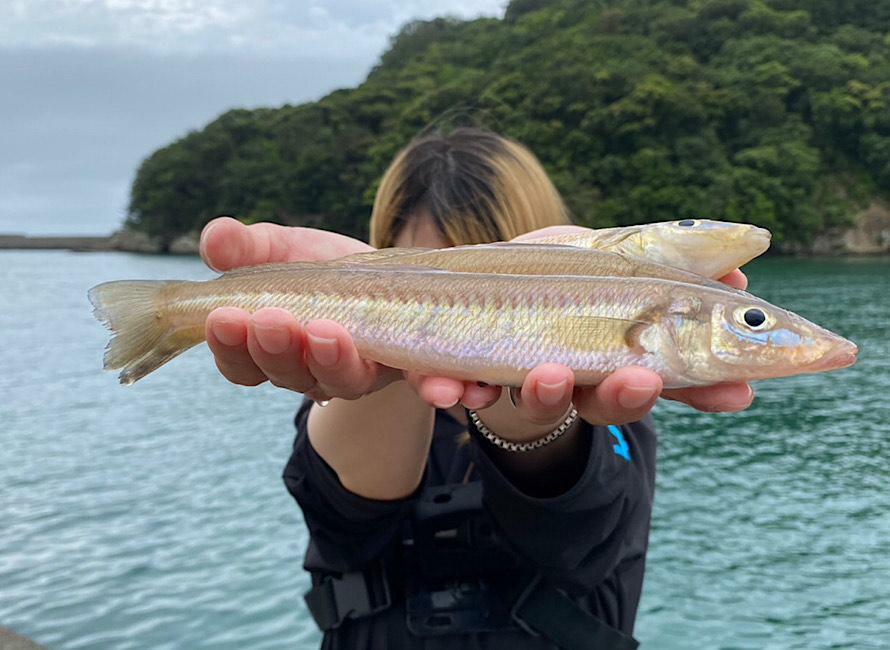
354,595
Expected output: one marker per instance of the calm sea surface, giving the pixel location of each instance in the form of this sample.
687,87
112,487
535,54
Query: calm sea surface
155,517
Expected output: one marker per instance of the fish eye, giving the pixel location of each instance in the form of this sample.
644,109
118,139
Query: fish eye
754,317
687,223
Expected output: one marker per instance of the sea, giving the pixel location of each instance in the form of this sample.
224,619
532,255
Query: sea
154,516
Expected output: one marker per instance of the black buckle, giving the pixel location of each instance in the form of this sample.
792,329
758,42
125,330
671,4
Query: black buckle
353,595
459,607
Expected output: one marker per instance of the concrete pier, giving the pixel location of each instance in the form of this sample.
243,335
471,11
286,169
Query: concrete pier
24,242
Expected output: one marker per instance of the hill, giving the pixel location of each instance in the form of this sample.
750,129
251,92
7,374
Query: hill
774,112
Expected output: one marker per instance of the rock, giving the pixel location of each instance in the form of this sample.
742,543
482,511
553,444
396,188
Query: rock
872,232
9,640
185,244
870,235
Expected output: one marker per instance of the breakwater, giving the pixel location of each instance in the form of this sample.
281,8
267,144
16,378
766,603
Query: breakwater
24,242
122,241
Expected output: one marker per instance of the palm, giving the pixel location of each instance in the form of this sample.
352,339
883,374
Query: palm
319,358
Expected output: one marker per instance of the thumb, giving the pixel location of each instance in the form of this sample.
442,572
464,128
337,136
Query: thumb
226,244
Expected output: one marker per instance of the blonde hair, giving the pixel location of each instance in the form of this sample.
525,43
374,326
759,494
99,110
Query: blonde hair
477,187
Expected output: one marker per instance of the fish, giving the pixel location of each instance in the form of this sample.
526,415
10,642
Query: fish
484,326
521,258
703,246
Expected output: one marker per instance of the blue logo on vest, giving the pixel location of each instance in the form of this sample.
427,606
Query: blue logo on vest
622,448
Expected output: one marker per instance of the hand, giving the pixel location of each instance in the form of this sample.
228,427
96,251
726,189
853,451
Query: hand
318,359
626,395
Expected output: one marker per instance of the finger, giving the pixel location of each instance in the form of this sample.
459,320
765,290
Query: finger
226,244
275,342
335,363
226,332
438,392
477,395
626,395
546,393
317,396
735,279
722,398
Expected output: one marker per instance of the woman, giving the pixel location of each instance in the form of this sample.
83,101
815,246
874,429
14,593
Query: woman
418,541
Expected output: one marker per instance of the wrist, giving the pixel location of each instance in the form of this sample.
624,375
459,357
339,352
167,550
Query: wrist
568,423
505,420
546,471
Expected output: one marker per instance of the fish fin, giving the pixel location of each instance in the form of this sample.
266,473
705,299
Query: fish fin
633,335
382,255
142,338
268,268
529,245
368,258
577,332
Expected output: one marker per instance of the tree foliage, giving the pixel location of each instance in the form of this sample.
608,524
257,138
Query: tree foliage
774,112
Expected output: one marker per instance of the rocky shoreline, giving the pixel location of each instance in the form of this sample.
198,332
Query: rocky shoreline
869,236
125,241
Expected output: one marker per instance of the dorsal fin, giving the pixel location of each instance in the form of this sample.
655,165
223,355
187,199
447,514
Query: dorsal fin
358,259
267,268
382,255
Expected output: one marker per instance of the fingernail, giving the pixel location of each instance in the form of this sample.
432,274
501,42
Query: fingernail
326,352
482,384
471,403
551,394
202,244
445,401
739,405
230,334
273,340
633,397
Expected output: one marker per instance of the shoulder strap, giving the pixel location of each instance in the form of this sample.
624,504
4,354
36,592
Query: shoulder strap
546,611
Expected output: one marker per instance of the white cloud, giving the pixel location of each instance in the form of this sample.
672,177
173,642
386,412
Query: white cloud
91,87
274,27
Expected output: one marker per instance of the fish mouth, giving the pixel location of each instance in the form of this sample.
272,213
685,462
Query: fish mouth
760,239
843,355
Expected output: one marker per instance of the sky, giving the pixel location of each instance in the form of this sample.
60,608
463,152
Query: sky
89,88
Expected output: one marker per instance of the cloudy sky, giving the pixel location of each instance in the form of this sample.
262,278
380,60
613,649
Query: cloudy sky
88,88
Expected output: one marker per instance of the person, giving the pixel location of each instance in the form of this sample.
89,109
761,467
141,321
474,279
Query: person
420,538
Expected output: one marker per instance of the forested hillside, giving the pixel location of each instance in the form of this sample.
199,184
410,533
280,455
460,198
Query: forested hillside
775,112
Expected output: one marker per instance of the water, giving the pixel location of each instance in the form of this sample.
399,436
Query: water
154,516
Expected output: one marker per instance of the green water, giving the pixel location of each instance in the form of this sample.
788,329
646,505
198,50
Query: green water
154,516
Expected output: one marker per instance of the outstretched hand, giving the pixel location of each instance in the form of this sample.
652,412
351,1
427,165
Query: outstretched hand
320,360
317,358
626,395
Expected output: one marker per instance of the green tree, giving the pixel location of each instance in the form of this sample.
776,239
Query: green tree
775,112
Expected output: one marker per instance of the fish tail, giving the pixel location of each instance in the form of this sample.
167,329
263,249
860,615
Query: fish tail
143,338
